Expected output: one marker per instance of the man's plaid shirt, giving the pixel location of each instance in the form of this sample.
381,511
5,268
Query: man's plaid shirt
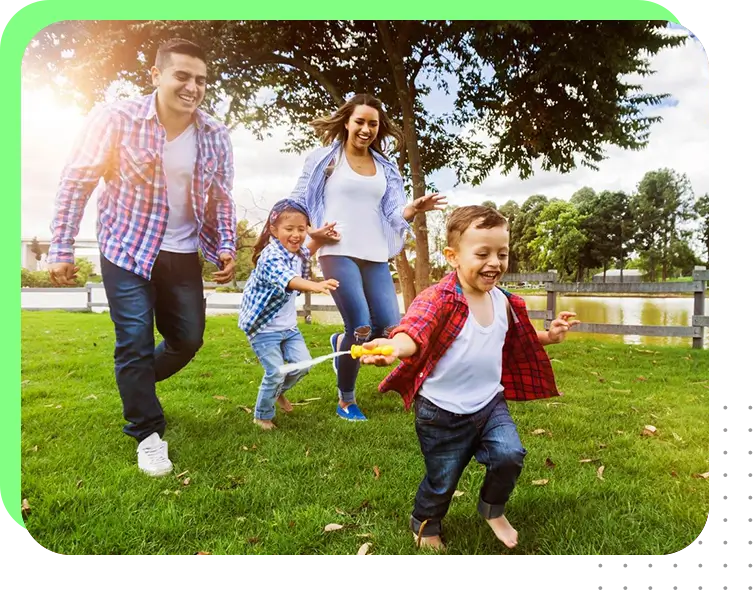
266,290
122,143
435,319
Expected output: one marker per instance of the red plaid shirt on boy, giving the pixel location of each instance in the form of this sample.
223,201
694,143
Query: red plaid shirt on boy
435,319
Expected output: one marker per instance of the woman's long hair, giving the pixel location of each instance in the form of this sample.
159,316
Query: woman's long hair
283,206
332,127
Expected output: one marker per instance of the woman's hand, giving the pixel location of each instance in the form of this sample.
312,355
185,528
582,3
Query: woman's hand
430,202
327,234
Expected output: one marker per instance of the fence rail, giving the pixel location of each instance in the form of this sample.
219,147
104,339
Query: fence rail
697,286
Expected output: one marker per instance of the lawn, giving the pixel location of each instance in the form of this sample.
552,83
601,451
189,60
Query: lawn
238,490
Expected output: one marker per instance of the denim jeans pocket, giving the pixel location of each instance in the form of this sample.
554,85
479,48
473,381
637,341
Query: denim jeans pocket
425,411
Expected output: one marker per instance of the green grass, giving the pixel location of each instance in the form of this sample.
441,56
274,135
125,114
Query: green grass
274,492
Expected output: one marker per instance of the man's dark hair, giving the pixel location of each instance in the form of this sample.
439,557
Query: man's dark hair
181,46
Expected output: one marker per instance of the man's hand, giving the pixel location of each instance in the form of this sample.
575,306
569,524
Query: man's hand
62,273
228,269
558,328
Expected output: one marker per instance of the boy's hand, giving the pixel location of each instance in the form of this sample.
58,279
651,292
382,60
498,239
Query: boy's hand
325,287
558,328
380,360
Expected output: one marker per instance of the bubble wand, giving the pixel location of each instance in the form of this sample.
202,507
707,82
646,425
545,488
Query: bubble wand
355,351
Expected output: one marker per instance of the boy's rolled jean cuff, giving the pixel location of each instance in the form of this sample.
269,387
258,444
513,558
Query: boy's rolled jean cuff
489,511
432,529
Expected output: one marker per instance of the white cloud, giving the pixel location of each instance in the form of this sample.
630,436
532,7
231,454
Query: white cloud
264,174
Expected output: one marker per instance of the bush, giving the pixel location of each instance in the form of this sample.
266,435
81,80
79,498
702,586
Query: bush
40,279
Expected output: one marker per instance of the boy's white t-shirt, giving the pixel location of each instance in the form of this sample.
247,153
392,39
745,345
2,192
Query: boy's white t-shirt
286,318
467,377
354,202
179,158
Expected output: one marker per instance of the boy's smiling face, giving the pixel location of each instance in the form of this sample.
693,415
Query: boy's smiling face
480,257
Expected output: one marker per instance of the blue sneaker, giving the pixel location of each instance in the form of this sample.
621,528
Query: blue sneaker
352,413
333,344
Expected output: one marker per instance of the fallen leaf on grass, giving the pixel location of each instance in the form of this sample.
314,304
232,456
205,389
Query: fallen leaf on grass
377,473
252,540
312,399
186,481
539,482
79,483
332,527
291,524
556,361
620,432
602,446
585,460
205,375
602,380
364,549
364,535
92,396
241,519
701,475
641,378
457,494
202,553
594,373
677,436
673,473
181,474
246,409
340,512
539,431
253,447
600,473
307,452
220,397
35,448
25,382
226,354
634,409
549,463
610,358
25,508
649,430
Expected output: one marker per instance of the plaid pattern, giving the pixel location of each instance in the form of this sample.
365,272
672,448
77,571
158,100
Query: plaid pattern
310,191
435,319
122,143
266,290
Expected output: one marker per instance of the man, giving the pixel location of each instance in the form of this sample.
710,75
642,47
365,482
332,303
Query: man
168,172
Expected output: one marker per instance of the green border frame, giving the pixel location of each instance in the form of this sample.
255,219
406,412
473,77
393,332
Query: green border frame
724,35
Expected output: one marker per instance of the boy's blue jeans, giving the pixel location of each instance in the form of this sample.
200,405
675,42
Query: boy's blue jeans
273,348
448,442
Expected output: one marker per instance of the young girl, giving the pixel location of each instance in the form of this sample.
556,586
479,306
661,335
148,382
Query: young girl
267,314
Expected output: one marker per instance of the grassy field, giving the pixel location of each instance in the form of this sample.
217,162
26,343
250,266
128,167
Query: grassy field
243,491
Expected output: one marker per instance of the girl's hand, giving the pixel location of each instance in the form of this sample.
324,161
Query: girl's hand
558,328
325,286
327,234
380,360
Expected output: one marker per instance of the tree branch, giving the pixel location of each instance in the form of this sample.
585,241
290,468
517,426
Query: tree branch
302,65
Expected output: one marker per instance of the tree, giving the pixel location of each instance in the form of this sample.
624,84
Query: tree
523,233
524,91
559,239
661,209
36,249
701,208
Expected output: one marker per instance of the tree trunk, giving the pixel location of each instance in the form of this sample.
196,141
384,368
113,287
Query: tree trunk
407,280
405,97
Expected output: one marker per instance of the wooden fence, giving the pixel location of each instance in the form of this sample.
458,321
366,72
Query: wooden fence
695,331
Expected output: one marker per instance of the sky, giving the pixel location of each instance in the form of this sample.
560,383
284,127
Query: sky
263,174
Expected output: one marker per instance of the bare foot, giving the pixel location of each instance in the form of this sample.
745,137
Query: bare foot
504,531
435,543
264,424
284,404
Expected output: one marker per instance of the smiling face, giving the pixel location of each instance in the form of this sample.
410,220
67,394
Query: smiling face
290,228
362,127
480,257
181,83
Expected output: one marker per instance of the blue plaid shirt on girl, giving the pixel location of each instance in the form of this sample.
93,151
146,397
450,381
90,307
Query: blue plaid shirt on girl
309,191
266,290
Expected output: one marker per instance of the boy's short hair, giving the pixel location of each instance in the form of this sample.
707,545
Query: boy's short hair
464,217
180,46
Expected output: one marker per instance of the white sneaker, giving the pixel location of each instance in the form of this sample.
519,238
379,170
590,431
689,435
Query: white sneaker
152,453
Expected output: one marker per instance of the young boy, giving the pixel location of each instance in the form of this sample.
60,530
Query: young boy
467,346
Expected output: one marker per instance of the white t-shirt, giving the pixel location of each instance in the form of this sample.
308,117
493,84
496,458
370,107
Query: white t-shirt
468,376
286,318
179,159
353,201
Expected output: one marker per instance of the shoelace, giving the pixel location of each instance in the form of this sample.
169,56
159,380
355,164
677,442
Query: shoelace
156,454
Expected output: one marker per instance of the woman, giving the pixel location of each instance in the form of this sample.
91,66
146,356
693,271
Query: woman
350,180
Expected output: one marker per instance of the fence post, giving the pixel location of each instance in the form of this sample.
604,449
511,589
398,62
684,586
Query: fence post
699,307
307,307
88,296
551,299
